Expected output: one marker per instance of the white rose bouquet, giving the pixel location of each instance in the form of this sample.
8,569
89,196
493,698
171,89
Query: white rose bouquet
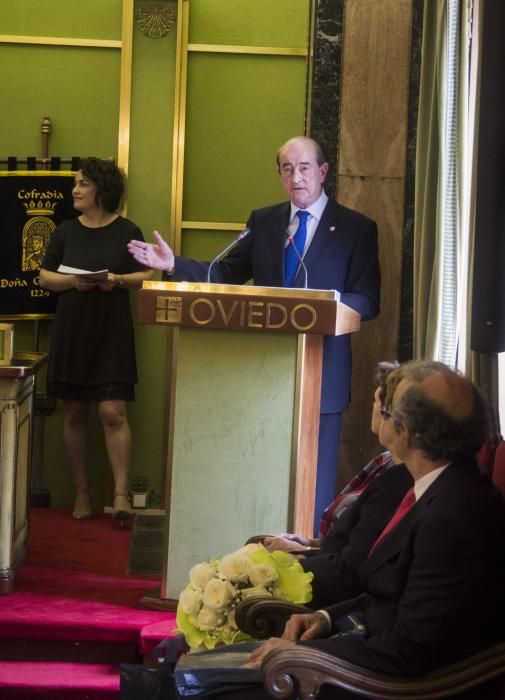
206,610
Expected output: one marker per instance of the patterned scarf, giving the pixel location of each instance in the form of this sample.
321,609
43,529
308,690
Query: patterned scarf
352,491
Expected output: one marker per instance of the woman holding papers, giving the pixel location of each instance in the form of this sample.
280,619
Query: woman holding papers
92,356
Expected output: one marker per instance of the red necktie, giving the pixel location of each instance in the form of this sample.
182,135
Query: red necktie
406,504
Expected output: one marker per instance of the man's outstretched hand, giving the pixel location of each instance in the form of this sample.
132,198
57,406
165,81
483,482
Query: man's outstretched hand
158,255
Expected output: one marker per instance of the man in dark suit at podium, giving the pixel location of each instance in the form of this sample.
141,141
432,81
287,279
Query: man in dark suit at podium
310,241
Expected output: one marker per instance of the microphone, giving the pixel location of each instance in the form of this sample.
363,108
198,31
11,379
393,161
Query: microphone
246,232
291,241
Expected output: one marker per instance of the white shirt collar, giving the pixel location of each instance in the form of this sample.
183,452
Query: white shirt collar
424,483
316,209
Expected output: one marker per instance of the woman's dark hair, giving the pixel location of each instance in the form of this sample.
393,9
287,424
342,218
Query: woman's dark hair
382,372
108,179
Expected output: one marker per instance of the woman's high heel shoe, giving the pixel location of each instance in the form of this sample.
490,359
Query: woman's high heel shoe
121,508
82,506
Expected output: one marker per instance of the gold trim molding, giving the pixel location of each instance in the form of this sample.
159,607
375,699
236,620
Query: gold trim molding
212,225
179,133
40,173
263,50
242,290
125,86
60,41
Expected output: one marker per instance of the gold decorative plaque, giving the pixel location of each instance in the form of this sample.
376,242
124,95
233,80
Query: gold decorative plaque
155,19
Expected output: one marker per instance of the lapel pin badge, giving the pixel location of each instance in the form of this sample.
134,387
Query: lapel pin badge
332,228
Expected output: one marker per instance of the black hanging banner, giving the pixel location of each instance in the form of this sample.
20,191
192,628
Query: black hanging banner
32,204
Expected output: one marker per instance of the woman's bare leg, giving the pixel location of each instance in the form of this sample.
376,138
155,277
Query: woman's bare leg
118,442
75,428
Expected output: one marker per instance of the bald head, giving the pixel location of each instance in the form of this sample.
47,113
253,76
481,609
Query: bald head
443,410
302,170
454,393
303,141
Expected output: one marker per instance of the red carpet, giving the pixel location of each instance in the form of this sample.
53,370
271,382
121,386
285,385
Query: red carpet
99,546
72,593
65,681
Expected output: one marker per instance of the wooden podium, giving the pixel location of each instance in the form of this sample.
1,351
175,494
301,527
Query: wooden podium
17,385
244,413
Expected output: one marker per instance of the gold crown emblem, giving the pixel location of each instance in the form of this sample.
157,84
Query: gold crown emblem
40,207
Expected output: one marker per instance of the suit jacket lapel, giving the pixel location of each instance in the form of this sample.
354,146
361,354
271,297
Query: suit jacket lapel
322,237
395,540
278,226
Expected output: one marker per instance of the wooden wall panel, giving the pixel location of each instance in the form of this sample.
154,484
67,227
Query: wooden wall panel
382,199
375,87
371,179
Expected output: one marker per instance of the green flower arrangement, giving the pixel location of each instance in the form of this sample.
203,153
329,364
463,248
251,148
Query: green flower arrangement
206,610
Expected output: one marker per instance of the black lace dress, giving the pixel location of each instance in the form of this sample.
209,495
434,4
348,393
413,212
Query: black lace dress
92,355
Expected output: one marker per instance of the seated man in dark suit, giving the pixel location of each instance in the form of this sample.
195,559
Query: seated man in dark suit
434,579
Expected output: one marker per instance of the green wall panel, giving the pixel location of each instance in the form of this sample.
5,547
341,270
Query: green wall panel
281,23
95,19
239,110
204,245
151,130
78,88
149,183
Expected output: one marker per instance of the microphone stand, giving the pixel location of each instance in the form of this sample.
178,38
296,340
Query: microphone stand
246,232
302,264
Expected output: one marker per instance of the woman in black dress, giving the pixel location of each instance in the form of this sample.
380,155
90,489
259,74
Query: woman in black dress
92,356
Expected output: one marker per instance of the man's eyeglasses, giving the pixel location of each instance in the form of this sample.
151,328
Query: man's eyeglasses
386,414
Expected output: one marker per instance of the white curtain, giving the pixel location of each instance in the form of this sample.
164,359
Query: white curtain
443,231
466,360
